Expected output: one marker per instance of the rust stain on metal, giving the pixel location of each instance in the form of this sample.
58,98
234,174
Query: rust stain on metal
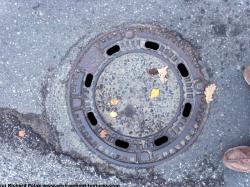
149,42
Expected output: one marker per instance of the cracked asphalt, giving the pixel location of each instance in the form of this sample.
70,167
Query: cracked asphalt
39,41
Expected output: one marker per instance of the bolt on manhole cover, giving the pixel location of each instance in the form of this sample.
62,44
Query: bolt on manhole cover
123,110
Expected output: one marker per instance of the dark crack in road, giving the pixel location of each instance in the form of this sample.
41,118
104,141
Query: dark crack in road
39,43
40,141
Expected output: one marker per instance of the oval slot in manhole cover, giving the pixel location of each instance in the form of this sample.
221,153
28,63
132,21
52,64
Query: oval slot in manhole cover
123,110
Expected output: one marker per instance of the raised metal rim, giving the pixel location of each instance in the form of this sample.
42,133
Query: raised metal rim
78,127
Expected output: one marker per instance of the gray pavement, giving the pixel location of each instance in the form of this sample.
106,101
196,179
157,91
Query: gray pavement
39,41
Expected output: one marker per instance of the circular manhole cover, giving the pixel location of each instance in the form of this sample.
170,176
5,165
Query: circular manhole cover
136,96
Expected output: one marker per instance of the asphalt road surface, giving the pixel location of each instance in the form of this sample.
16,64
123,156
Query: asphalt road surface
39,41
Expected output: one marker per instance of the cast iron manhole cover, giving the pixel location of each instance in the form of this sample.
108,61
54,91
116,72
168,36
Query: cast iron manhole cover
122,109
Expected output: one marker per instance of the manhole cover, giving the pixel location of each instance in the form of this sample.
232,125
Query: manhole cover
110,96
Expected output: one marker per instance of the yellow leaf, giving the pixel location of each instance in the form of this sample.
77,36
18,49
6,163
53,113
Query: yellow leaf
154,93
114,101
113,114
209,91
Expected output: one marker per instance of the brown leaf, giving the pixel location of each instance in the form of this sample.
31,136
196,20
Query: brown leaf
209,91
103,133
152,71
21,133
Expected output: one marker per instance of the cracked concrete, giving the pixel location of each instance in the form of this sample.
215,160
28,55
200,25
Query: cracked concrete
39,41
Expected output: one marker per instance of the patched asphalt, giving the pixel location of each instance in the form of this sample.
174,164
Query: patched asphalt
39,42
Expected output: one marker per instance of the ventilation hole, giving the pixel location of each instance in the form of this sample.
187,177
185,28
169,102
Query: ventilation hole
92,118
113,50
161,140
122,144
152,45
187,110
183,70
88,80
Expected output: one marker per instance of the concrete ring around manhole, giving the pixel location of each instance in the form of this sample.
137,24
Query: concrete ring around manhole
136,96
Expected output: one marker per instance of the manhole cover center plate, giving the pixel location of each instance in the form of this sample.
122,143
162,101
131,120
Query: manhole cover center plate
124,87
110,98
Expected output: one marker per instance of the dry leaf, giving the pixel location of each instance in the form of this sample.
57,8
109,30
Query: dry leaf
103,133
114,101
152,71
209,91
154,93
113,114
21,133
163,72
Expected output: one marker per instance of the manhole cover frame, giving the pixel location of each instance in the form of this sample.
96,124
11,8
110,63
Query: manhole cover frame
192,88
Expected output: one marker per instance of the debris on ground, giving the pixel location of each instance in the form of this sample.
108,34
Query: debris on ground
114,101
21,133
152,71
113,114
155,92
163,72
103,133
209,91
